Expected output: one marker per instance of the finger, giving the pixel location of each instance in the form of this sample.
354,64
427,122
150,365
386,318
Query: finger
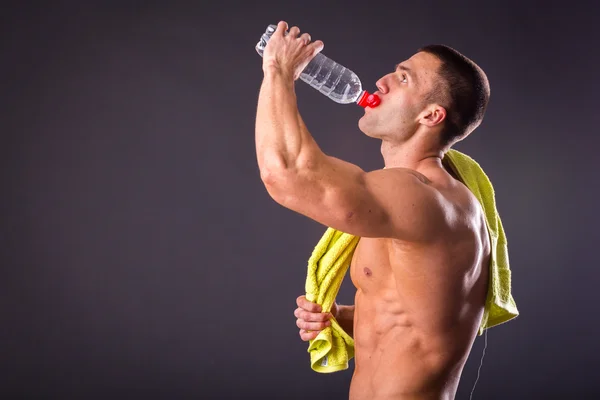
317,46
312,326
311,317
305,37
294,31
297,312
306,336
282,27
308,305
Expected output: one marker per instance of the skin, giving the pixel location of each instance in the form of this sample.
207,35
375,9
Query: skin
421,266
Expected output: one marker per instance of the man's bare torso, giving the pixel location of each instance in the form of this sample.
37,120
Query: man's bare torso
418,306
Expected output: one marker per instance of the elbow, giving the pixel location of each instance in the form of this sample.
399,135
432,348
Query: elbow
281,174
278,182
271,168
272,174
284,180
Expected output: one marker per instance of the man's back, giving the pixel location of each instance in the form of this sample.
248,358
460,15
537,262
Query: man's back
419,305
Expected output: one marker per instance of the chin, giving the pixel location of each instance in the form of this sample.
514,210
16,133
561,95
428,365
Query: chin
366,128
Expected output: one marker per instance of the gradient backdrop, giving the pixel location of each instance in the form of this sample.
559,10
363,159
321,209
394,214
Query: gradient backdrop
141,255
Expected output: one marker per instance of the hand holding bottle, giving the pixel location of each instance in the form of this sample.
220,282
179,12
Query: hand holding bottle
289,53
322,73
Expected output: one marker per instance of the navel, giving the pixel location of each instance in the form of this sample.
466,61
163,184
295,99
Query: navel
368,272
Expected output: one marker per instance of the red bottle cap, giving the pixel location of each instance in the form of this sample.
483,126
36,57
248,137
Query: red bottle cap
368,99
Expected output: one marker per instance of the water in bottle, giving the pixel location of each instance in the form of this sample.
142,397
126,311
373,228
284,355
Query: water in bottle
330,78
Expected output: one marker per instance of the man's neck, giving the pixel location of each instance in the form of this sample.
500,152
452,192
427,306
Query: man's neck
413,154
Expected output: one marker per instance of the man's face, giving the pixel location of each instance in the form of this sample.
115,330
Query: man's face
403,93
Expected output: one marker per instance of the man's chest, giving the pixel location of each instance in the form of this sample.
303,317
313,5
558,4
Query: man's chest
370,267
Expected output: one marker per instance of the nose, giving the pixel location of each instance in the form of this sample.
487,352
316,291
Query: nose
381,85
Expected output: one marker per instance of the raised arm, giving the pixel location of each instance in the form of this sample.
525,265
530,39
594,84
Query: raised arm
393,203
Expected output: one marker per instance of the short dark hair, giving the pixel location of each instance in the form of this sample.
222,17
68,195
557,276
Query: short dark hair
464,92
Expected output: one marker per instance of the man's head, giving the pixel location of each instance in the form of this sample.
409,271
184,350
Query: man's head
438,89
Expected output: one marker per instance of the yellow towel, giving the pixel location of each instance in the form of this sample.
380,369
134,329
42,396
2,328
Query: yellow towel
331,350
500,306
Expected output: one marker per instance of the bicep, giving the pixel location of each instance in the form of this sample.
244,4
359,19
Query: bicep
334,193
341,195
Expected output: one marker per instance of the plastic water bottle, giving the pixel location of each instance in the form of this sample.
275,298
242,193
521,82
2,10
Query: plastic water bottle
330,78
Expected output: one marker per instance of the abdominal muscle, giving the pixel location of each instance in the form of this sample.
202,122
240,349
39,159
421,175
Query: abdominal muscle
411,340
392,361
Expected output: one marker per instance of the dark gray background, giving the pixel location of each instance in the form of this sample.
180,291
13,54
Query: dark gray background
142,257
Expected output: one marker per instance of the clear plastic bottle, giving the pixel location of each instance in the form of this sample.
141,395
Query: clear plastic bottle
330,78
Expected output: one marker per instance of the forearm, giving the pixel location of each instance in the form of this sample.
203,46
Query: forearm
345,317
283,143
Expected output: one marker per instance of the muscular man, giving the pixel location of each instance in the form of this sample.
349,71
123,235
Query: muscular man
421,266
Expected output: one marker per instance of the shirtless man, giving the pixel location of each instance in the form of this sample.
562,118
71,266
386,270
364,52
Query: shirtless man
421,266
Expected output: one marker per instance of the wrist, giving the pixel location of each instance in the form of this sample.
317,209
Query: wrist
275,71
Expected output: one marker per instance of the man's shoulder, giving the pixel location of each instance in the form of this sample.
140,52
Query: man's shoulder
444,199
413,201
464,212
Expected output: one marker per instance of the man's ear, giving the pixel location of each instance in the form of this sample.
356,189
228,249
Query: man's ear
433,115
